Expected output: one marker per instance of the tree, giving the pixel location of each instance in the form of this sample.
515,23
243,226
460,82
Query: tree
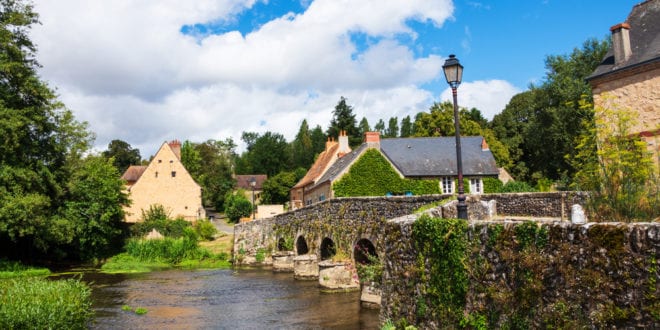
343,119
94,208
237,206
616,167
302,149
215,170
318,140
407,127
267,153
380,127
122,154
392,130
276,188
191,159
40,143
364,127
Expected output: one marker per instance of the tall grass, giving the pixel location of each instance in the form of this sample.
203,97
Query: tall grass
36,303
11,269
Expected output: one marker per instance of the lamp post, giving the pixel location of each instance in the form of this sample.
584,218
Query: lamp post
253,183
454,73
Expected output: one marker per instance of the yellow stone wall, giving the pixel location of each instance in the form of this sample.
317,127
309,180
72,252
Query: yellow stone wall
179,194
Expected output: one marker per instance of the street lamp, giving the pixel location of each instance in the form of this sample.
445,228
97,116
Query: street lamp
253,183
454,74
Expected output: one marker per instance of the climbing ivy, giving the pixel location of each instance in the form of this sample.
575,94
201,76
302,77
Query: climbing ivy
373,175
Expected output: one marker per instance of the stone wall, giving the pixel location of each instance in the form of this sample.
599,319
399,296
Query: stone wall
518,274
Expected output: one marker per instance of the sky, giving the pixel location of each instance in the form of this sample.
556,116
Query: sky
150,71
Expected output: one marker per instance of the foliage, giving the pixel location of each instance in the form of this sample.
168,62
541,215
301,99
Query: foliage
540,126
443,248
122,155
392,130
191,159
302,150
205,230
169,250
157,217
210,164
372,175
94,208
492,185
10,269
517,186
617,168
266,153
237,206
276,188
371,271
343,119
407,127
36,303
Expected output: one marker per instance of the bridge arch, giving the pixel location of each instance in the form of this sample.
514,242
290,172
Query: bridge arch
328,249
364,251
301,245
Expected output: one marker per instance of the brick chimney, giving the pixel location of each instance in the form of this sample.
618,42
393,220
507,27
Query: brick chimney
484,145
372,139
621,42
329,143
344,148
175,145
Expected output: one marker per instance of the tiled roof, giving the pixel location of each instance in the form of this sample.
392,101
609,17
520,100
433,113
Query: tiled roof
243,181
341,164
436,156
133,173
318,167
644,40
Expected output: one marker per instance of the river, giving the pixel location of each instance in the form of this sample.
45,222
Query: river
222,299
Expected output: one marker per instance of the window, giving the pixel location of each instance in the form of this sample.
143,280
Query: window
173,173
476,186
156,174
160,160
447,185
322,197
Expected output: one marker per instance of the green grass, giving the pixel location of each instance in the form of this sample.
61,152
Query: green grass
12,269
36,303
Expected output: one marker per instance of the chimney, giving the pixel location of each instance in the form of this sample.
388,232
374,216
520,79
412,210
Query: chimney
344,148
621,42
175,145
484,145
329,143
372,139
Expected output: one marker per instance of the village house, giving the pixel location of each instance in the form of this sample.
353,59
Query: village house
165,181
412,158
629,75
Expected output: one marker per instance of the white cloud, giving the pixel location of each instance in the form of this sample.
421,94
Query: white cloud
125,67
490,97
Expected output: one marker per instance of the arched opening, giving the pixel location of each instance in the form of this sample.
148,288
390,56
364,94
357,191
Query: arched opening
328,249
365,252
301,246
281,244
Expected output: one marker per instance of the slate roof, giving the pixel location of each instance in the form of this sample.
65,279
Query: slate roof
436,156
243,181
424,157
644,40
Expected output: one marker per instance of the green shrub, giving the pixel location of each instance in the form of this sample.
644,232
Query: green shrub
237,206
158,218
492,185
517,186
205,230
170,250
36,303
9,269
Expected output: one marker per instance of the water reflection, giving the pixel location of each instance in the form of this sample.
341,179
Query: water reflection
223,299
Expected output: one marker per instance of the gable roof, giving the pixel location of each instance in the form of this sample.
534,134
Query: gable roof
436,156
644,40
243,181
319,167
339,167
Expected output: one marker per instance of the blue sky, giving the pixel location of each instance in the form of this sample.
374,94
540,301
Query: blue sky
149,71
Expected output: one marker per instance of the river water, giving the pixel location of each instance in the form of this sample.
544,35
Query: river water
222,299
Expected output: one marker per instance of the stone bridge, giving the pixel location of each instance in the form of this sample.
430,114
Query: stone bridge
352,226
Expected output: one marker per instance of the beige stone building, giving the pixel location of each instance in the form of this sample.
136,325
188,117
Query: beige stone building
629,76
166,182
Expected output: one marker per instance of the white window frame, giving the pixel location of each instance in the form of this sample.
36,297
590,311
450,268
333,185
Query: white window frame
476,186
447,182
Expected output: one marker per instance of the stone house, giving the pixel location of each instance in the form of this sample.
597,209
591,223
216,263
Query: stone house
629,75
165,181
413,158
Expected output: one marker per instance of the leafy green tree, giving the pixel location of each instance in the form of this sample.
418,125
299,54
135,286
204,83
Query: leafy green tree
267,153
363,126
122,154
94,208
392,130
276,188
191,159
380,127
40,142
215,170
616,167
302,149
237,206
318,139
407,127
343,119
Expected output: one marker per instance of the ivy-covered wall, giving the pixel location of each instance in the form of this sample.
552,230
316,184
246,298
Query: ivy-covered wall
520,275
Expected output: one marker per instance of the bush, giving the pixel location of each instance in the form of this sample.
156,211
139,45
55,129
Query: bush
170,250
517,186
9,269
158,218
37,303
237,206
205,230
